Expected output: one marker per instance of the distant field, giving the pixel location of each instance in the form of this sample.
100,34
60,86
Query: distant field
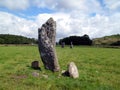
99,69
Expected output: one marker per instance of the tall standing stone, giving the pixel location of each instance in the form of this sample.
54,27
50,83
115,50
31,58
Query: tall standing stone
46,43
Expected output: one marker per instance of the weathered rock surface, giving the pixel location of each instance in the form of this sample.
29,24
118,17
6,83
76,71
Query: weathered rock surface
73,71
46,43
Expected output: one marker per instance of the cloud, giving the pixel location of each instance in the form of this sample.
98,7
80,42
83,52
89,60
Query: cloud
15,4
96,26
83,6
62,19
73,17
113,4
12,24
71,6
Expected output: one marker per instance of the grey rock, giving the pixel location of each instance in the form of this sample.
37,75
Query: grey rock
73,71
35,74
46,43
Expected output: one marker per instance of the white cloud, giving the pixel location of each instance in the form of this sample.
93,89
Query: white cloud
62,19
96,26
83,6
11,24
113,4
60,5
15,4
73,17
70,6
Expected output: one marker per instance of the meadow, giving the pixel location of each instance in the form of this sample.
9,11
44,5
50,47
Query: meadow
99,69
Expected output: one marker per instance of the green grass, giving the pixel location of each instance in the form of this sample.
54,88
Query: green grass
99,69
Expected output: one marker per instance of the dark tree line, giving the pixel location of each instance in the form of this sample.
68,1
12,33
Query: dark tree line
15,39
116,43
76,40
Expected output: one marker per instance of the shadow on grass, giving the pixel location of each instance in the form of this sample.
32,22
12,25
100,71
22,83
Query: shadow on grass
34,68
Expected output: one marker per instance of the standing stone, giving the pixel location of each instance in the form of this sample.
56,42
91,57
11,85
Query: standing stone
73,71
71,45
63,45
46,43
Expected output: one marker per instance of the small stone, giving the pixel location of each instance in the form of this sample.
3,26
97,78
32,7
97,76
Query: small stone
35,74
73,71
35,65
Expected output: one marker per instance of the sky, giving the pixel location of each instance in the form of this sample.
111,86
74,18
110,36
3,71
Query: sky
95,18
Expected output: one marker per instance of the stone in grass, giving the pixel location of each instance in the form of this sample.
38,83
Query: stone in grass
35,74
73,71
35,65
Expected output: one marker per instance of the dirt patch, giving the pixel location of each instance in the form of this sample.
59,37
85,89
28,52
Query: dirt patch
19,76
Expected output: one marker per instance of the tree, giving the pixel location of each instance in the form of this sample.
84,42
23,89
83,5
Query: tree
15,39
1,41
116,43
76,40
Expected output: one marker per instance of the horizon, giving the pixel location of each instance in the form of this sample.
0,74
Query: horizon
61,38
96,18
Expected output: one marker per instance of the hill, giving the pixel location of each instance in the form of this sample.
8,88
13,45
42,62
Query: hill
113,40
15,39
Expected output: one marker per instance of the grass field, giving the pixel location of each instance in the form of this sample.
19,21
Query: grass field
99,69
